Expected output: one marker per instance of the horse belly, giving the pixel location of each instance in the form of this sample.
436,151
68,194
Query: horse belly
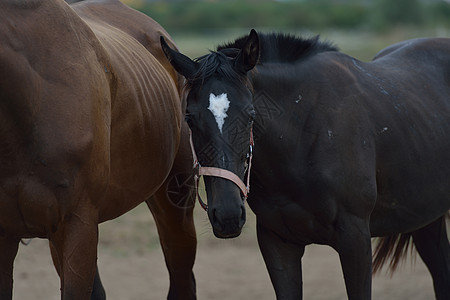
412,151
407,203
412,188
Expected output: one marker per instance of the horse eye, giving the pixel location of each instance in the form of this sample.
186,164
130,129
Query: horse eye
188,119
252,115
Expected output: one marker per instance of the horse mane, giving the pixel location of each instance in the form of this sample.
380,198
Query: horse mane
73,1
283,48
274,47
216,63
24,4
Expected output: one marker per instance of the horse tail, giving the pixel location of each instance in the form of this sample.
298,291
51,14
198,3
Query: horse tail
393,248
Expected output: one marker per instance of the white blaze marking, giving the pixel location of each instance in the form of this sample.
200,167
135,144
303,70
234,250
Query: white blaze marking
219,105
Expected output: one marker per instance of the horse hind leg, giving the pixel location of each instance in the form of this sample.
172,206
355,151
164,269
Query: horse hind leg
433,246
8,252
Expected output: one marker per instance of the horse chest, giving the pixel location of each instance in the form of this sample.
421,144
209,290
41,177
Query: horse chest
294,221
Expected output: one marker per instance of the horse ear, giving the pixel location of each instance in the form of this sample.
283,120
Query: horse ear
249,54
181,63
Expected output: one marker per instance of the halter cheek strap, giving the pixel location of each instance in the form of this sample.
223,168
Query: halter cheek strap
222,173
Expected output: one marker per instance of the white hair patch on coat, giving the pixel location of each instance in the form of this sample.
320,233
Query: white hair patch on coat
219,105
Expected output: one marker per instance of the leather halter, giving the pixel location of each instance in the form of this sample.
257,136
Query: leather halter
222,173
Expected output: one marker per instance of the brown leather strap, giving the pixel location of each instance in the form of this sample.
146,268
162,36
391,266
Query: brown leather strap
222,173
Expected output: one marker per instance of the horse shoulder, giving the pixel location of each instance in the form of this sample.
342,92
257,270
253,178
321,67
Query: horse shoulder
341,157
332,173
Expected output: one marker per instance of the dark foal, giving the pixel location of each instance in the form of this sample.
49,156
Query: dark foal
344,151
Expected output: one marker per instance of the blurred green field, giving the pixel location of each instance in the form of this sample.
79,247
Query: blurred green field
360,44
359,27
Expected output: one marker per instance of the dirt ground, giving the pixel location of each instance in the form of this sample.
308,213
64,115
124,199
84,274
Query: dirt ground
132,267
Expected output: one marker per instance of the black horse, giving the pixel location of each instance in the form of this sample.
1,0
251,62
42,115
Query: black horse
344,151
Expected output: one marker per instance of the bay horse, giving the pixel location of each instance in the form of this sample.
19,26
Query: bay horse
344,150
91,125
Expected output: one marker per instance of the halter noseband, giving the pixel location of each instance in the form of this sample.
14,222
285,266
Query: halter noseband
222,173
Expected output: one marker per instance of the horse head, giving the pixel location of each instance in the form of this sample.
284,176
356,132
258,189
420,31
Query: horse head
220,115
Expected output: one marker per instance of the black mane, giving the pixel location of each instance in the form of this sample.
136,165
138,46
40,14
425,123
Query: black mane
283,48
216,63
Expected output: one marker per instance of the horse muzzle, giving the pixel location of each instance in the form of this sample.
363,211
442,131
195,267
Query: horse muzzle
226,210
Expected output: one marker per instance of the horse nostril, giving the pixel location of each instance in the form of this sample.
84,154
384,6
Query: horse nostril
215,220
214,217
243,215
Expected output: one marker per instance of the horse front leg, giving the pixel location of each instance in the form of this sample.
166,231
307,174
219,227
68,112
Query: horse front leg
8,252
172,208
74,250
284,263
353,245
98,291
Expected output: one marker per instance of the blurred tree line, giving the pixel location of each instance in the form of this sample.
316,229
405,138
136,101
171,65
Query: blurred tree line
375,15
